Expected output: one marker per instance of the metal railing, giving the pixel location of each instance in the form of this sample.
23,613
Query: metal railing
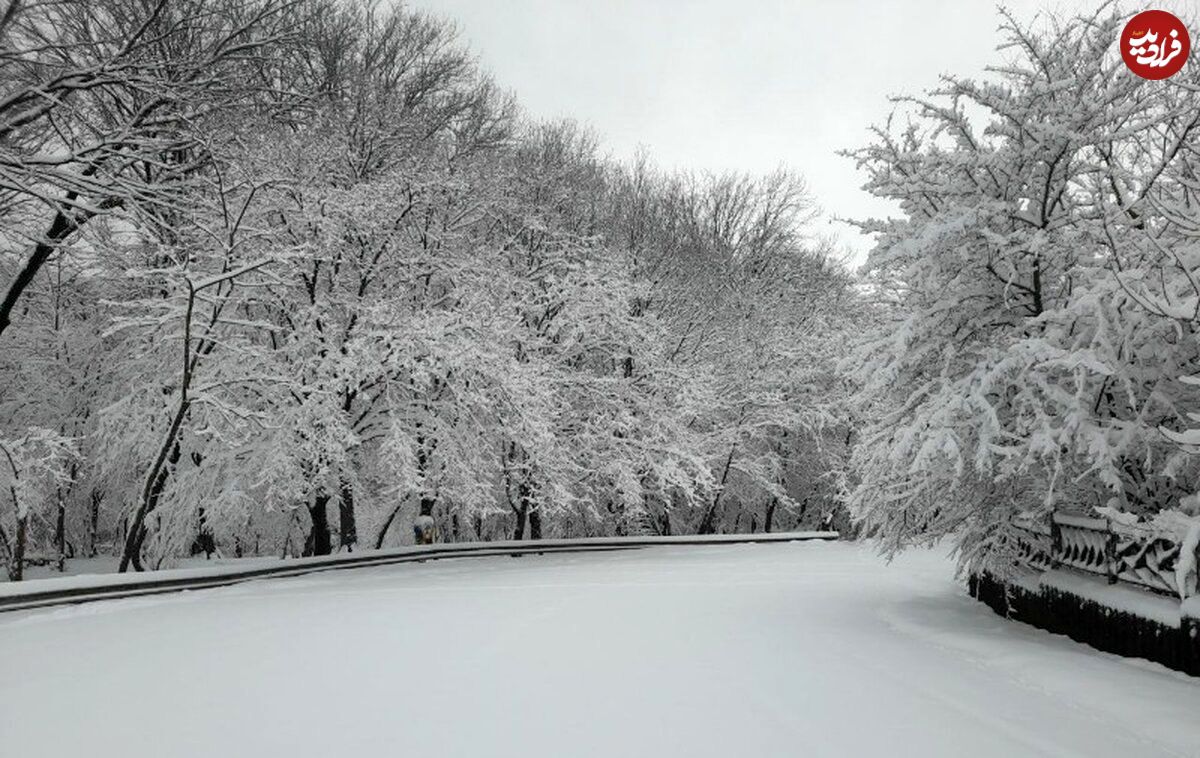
1125,553
53,592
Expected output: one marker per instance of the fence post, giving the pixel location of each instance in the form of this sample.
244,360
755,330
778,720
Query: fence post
1055,542
1110,551
1196,571
1189,625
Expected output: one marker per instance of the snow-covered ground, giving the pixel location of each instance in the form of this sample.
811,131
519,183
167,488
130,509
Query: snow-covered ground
808,649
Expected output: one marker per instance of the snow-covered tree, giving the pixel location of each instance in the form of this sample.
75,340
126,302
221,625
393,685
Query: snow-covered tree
1016,369
33,469
751,306
101,107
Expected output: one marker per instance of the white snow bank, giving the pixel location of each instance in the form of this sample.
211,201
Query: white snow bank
1124,598
1191,607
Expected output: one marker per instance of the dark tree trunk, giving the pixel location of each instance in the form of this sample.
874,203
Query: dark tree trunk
526,510
383,530
519,530
428,500
319,540
60,533
535,524
132,555
347,525
771,506
618,514
16,567
708,523
94,523
60,228
204,542
65,549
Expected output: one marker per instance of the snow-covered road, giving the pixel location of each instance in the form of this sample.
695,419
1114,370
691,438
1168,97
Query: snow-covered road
809,649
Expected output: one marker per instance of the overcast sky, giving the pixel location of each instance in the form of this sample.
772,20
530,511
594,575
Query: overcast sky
735,84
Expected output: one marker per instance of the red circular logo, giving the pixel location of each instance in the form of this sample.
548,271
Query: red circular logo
1155,44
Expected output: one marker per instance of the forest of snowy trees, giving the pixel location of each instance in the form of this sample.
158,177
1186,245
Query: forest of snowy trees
281,276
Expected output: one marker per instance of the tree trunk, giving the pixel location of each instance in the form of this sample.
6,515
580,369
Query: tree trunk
428,500
204,542
519,530
156,482
526,510
347,525
535,524
770,521
60,228
131,556
708,523
16,566
94,523
60,533
386,525
320,542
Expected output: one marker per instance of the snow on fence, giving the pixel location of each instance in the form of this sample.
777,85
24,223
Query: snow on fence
1124,588
1127,553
